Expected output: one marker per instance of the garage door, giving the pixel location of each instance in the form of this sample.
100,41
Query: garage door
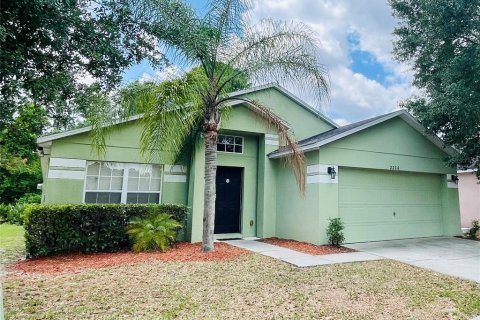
383,205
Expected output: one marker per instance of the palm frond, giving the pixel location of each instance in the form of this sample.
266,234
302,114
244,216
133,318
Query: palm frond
153,233
280,52
226,19
171,113
175,23
296,159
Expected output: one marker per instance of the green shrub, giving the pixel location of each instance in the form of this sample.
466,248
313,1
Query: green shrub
12,213
30,198
4,209
335,231
153,233
88,228
472,233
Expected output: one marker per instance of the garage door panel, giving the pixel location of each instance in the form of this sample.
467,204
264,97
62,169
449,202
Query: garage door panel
364,232
378,195
369,198
379,213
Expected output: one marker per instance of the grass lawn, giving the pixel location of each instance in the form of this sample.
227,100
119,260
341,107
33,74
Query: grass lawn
12,243
249,287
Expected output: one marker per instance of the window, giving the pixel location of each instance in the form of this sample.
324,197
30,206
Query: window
114,182
231,144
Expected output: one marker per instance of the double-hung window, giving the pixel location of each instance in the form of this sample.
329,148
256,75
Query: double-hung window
115,182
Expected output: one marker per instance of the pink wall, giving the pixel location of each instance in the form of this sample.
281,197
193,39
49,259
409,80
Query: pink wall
469,194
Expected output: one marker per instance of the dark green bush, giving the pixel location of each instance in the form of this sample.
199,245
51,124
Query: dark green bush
335,231
12,213
30,198
88,228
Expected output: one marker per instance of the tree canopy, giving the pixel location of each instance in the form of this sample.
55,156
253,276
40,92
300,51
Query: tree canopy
20,170
442,40
47,48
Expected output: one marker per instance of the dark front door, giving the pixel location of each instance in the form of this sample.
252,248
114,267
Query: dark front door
229,195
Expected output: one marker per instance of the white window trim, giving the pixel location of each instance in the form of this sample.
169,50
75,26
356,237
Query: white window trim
229,135
126,166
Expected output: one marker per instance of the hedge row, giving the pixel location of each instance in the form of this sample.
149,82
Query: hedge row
87,228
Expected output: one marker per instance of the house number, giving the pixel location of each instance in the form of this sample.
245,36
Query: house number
396,168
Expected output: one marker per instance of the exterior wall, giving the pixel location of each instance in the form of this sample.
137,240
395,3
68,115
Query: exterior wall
469,192
66,163
297,216
393,143
247,161
303,122
258,176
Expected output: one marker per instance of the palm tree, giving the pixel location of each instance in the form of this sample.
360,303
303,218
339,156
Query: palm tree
225,47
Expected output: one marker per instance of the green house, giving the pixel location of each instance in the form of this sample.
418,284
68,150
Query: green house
385,177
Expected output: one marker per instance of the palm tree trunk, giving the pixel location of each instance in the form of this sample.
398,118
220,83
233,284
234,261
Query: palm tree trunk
210,188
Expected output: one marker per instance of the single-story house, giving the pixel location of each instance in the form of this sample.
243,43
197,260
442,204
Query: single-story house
469,193
384,177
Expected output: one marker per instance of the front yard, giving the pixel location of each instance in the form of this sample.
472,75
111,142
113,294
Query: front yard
11,244
247,287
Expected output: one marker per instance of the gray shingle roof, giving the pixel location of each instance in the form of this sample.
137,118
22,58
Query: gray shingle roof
333,132
326,137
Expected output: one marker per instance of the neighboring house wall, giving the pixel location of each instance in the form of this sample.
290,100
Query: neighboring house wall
469,193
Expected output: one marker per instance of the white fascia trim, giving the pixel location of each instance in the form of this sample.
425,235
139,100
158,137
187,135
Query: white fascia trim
288,94
68,163
402,113
175,178
467,171
73,132
66,174
176,168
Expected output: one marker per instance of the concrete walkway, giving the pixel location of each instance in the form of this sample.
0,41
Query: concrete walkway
451,256
300,259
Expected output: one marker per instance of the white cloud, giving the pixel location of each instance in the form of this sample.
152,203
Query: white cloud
341,121
169,73
353,96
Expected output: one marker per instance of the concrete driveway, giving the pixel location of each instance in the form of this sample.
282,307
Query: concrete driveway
452,256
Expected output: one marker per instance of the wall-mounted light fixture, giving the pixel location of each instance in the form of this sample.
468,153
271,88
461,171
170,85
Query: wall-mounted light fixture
331,171
454,178
40,151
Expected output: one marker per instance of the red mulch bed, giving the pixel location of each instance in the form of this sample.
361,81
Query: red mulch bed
306,247
182,251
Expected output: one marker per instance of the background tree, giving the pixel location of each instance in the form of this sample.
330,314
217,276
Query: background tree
20,170
225,47
442,39
47,47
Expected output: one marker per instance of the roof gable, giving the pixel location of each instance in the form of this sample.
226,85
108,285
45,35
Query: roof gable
289,95
315,142
304,120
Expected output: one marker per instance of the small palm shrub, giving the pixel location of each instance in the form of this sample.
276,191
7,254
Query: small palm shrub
472,233
335,231
153,233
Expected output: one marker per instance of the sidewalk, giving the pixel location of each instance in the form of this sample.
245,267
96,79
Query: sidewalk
300,259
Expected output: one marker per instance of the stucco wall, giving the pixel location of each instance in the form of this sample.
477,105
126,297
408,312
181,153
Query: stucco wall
469,194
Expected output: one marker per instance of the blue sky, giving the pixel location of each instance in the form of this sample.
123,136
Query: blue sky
356,43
